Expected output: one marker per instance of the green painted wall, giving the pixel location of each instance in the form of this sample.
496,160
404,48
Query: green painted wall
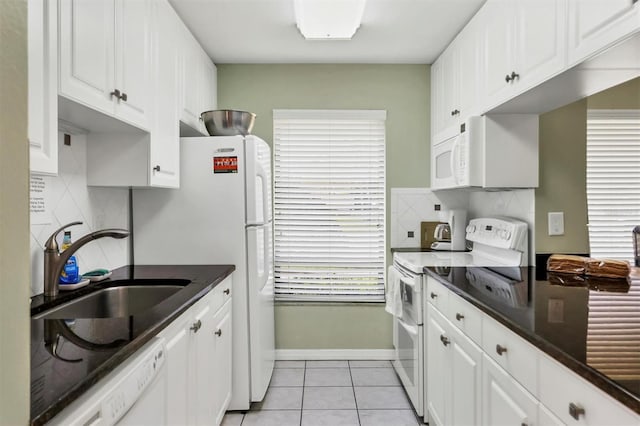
14,216
563,168
563,156
404,92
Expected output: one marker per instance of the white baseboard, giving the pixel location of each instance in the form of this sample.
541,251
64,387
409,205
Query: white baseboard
334,354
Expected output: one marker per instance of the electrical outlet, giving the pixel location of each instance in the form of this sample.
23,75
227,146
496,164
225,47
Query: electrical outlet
556,223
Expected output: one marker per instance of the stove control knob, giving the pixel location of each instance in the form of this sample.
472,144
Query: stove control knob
471,229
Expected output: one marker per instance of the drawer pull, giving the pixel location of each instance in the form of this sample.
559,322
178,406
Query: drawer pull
500,349
227,291
444,339
575,411
459,317
218,333
196,326
433,295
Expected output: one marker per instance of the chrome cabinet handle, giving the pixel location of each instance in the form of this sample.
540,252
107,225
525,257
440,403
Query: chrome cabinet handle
227,291
500,349
218,333
124,97
115,93
575,410
459,317
196,326
514,76
433,295
444,339
156,168
455,112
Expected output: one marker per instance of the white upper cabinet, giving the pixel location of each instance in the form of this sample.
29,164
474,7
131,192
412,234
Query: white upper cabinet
456,78
43,86
164,155
597,24
133,59
105,57
197,85
525,42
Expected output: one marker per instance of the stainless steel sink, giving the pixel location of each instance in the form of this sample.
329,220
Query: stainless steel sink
116,301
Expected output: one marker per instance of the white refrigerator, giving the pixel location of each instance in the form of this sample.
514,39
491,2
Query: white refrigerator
222,214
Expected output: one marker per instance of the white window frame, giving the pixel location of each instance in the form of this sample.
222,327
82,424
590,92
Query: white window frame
613,181
289,287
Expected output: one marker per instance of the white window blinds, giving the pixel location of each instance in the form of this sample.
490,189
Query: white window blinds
329,205
613,181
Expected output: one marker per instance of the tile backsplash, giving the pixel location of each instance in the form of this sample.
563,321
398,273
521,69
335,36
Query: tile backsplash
410,206
71,200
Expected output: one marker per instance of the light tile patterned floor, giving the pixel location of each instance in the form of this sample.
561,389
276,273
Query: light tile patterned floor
330,393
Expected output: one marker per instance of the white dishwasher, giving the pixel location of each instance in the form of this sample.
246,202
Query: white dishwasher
133,394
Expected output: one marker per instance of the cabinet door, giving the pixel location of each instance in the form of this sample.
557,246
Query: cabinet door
222,361
164,165
466,380
178,363
133,59
43,86
209,97
87,52
438,367
191,76
450,106
504,401
497,18
205,382
597,24
470,74
540,39
436,101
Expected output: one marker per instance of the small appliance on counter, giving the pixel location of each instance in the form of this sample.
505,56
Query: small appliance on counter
450,236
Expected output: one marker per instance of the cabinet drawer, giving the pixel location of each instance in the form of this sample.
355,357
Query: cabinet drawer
511,352
437,294
466,317
220,294
560,388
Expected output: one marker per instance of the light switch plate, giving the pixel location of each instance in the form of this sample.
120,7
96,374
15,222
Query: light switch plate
556,223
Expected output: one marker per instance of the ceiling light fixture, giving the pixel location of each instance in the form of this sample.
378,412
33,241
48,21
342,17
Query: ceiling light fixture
328,19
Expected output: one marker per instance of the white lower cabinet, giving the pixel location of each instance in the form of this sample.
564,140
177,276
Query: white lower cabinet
453,373
497,378
199,361
505,402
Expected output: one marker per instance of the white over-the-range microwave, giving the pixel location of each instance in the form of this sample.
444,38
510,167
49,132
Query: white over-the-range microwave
496,151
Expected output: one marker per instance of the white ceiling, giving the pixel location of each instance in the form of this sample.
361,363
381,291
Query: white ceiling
264,31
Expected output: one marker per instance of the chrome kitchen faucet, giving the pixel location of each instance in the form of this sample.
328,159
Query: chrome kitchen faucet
54,261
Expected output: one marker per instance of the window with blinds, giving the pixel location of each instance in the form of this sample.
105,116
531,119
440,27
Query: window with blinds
613,181
329,205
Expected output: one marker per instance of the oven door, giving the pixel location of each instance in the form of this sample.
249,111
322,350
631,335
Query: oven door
409,360
411,294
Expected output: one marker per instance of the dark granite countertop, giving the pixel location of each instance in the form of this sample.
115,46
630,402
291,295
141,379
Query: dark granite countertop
99,345
565,317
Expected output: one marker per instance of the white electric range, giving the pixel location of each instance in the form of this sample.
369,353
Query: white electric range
497,242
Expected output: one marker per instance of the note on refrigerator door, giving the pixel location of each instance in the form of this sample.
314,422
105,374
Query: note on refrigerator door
225,164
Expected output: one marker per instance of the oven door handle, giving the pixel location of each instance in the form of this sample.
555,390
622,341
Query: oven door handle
413,330
410,281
